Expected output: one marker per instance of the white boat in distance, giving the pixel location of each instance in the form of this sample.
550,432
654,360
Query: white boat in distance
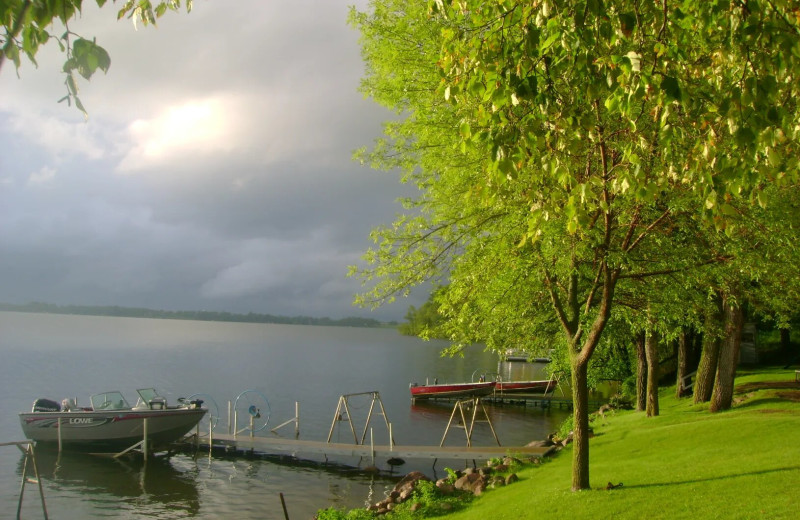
110,424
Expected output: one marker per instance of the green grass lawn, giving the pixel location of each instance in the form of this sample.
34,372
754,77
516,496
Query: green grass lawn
686,463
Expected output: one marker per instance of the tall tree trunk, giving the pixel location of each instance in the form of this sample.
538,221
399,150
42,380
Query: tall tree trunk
707,369
641,374
683,362
580,439
785,340
728,358
651,351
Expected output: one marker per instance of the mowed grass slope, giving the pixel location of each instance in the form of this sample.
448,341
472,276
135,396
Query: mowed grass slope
685,463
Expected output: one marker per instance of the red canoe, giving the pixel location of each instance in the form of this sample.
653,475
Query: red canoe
452,390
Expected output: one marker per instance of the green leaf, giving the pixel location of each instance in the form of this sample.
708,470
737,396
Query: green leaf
71,85
636,60
79,105
549,41
12,53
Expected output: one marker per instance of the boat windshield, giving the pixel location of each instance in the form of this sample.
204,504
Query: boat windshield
147,394
109,401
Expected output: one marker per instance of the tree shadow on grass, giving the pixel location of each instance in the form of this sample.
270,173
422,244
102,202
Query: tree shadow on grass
712,479
755,401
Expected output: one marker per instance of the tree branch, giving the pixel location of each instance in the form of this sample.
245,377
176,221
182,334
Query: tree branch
644,233
15,30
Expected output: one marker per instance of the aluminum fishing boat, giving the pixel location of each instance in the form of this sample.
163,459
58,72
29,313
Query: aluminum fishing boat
110,424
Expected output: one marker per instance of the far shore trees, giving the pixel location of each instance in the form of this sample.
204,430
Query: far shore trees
570,152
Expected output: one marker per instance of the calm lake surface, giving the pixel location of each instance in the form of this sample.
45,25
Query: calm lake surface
58,356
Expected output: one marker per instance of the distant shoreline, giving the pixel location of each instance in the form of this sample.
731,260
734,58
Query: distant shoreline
138,312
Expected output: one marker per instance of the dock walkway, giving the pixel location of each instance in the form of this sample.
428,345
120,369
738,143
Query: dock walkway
271,445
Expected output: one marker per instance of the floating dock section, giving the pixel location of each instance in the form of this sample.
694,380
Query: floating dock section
272,445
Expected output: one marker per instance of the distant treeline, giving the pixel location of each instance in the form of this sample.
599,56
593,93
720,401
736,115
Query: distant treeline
135,312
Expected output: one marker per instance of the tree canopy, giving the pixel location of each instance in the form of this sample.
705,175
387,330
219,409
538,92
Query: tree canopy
582,161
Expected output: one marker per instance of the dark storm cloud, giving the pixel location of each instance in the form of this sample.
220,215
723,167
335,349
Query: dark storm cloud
214,171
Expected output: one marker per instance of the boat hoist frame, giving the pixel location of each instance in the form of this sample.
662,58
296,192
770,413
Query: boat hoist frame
460,407
26,447
343,411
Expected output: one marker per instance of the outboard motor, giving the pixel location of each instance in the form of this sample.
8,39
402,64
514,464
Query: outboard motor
46,405
158,403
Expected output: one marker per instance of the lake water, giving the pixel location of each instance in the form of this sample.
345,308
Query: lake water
58,356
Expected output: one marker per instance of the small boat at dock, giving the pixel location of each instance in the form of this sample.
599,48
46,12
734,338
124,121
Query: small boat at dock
451,390
110,424
542,386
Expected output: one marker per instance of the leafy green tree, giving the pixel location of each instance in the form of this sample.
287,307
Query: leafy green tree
425,321
562,146
29,24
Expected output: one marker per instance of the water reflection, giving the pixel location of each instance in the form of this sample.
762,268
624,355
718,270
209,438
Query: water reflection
154,485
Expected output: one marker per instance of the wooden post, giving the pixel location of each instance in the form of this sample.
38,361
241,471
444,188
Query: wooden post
59,434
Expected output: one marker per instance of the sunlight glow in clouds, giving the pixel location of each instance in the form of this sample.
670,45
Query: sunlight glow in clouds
198,127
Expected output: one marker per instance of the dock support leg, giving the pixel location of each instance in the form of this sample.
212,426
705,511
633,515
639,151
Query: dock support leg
145,447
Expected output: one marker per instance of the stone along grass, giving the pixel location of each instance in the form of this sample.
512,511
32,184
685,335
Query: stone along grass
686,463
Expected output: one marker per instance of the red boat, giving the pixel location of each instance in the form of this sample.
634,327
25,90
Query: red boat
452,390
543,386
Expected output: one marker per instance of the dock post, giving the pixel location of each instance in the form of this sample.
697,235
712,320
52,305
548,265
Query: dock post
145,447
229,417
371,447
296,419
59,434
283,503
391,438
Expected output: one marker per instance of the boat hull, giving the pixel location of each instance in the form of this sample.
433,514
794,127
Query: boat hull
452,391
109,431
525,387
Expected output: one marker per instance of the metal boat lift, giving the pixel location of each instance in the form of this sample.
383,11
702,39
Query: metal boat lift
343,412
460,407
26,447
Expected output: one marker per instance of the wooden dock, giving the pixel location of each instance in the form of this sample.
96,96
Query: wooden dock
273,445
520,399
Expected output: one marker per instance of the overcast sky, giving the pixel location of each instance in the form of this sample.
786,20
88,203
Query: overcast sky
214,171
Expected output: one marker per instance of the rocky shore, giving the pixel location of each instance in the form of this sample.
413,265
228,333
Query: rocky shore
472,481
